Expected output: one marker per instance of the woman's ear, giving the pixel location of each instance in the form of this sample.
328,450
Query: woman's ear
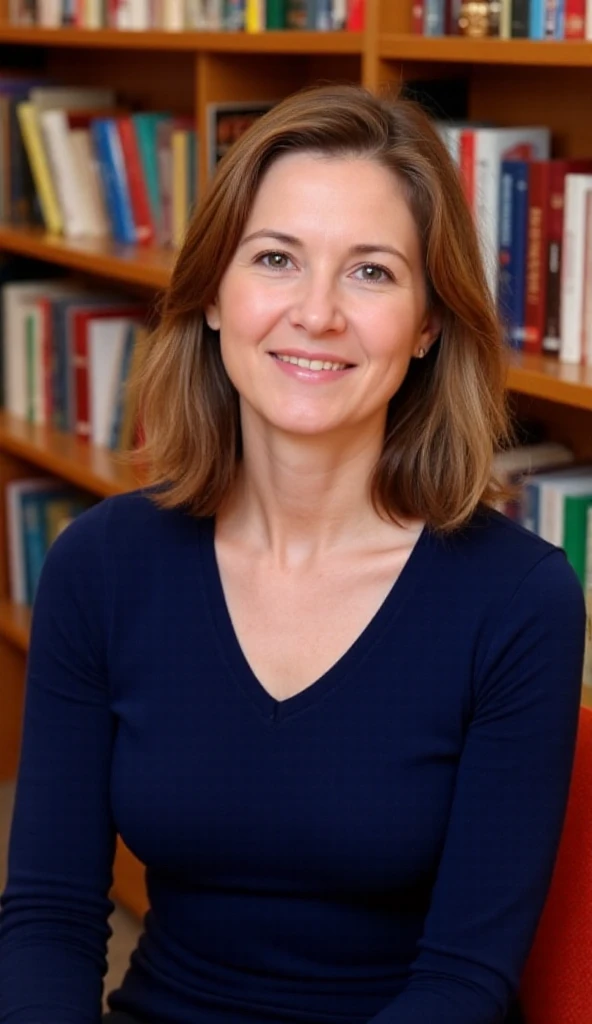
430,330
212,316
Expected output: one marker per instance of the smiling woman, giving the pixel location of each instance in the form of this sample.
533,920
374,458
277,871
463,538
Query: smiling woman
346,212
322,689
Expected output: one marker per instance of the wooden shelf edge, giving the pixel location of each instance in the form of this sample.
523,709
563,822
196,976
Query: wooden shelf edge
15,624
130,264
455,49
281,42
87,466
548,378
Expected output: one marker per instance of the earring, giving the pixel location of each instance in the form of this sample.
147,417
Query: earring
421,353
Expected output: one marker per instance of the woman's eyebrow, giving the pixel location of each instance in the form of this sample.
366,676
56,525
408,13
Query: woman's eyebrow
363,249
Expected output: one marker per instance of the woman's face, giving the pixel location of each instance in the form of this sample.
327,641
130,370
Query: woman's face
324,302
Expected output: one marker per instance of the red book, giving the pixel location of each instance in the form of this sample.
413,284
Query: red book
467,165
79,357
543,253
137,184
575,19
44,306
356,12
417,16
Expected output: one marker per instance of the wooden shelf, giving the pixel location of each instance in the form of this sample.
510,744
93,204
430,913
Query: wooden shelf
206,42
15,624
548,378
94,469
150,266
457,50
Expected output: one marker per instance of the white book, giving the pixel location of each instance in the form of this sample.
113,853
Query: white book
106,342
94,205
492,145
36,392
17,559
71,98
527,458
66,180
16,299
173,15
571,303
49,13
552,506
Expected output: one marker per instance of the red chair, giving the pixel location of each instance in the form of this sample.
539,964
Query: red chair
557,982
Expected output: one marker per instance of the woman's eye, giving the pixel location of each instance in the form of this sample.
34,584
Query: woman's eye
274,260
374,273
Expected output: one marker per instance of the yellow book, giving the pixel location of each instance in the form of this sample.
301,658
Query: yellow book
40,169
179,149
254,22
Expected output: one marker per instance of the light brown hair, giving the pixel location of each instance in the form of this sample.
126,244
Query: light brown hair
449,415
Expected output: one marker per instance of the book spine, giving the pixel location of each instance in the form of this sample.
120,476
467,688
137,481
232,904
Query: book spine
417,17
356,15
513,222
112,167
433,18
40,167
572,271
137,185
520,19
275,15
575,19
536,257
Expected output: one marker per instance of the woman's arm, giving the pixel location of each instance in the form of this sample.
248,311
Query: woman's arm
54,911
508,808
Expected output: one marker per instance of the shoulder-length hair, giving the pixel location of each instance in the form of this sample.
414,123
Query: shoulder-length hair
447,419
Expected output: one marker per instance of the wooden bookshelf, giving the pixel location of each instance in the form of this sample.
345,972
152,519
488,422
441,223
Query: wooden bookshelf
85,465
286,42
459,50
549,379
15,624
137,265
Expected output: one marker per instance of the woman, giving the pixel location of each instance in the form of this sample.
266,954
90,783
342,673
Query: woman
322,690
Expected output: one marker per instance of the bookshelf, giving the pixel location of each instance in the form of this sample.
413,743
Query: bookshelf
514,81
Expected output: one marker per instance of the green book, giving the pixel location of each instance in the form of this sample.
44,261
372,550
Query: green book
146,125
276,14
575,512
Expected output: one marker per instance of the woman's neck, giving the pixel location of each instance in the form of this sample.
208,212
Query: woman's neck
299,498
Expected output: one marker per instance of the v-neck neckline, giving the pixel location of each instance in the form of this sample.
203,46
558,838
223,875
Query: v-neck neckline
272,709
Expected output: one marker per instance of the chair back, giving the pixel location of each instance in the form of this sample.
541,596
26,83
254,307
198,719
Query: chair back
556,985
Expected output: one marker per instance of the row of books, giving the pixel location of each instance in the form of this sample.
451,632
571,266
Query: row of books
534,218
37,510
67,354
98,170
554,500
505,19
192,15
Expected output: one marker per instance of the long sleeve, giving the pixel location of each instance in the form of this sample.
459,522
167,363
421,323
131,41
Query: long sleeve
508,809
54,911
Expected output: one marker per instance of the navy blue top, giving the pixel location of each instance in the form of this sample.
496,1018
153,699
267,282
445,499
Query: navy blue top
376,848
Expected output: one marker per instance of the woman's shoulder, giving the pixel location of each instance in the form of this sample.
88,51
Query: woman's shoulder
124,526
495,558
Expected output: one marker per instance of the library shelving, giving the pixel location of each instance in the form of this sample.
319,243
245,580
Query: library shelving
508,81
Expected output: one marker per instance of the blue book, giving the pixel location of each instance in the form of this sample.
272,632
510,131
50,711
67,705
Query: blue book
536,26
434,18
62,377
512,248
109,155
124,372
